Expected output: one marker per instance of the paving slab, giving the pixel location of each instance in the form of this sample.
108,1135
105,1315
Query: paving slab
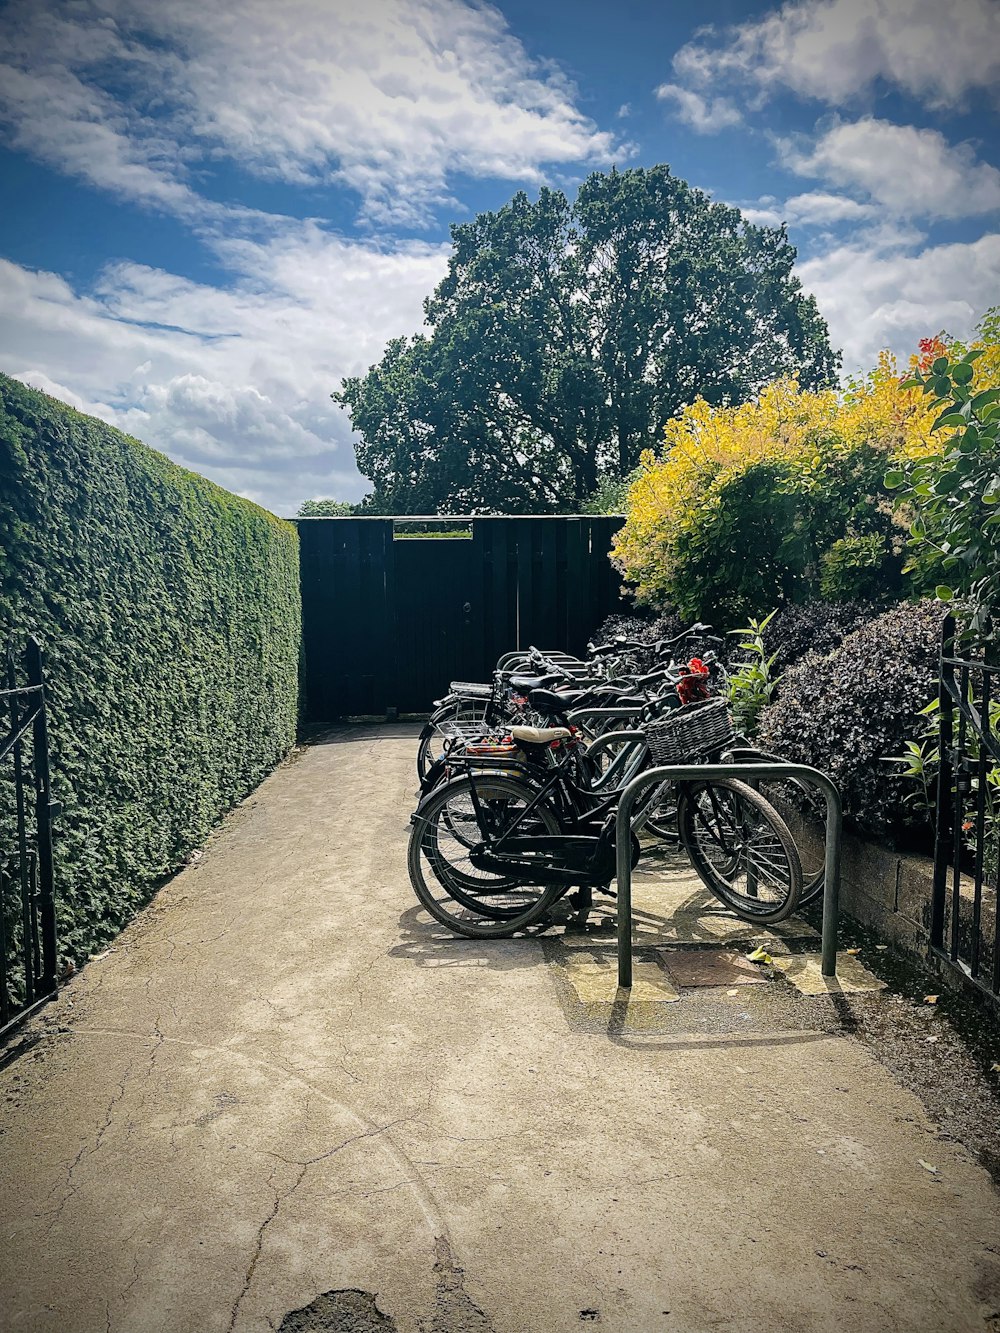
711,967
287,1100
804,971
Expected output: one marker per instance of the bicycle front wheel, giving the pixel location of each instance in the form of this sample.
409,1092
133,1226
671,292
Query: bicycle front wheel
468,900
741,848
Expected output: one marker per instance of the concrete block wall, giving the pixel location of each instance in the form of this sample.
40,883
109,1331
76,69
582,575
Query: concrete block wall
889,892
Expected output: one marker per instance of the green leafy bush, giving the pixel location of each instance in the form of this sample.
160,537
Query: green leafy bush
850,711
870,567
752,681
169,613
955,494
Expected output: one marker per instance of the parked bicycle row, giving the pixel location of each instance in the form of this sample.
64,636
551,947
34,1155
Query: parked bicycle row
521,776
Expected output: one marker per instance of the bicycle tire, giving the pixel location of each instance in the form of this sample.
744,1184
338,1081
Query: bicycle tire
662,821
457,895
813,864
740,848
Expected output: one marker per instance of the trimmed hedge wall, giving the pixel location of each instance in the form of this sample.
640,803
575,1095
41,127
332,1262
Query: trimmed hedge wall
169,614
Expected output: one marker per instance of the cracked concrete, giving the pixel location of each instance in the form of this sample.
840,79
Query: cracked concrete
285,1098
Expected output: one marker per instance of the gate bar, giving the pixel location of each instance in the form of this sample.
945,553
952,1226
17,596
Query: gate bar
690,772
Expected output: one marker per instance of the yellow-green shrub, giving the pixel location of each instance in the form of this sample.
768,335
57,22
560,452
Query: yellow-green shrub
739,508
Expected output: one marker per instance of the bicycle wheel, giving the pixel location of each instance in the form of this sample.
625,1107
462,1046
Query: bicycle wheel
812,855
469,901
662,819
741,848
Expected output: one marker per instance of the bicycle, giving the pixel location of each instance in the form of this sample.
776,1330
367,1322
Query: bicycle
495,846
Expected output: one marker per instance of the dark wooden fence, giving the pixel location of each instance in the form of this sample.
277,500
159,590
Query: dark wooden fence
388,622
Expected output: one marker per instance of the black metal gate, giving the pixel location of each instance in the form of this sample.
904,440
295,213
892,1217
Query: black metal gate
27,904
388,620
964,920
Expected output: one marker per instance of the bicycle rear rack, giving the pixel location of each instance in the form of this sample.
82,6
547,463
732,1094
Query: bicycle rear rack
748,772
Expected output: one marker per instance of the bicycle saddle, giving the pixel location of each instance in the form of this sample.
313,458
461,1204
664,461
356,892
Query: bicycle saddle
555,705
539,735
526,683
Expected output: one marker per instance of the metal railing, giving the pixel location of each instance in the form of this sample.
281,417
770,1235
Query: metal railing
750,773
27,901
964,910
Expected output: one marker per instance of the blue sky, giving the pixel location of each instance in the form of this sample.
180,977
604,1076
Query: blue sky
214,212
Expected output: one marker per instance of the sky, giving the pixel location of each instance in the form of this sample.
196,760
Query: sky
215,210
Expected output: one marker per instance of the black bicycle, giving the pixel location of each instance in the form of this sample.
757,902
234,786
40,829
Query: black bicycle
496,845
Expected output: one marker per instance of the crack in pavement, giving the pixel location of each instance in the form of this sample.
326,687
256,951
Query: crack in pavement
279,1199
87,1150
259,1244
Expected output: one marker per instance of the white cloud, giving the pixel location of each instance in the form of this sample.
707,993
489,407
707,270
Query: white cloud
818,208
909,171
876,292
763,217
815,209
390,97
835,50
705,115
232,382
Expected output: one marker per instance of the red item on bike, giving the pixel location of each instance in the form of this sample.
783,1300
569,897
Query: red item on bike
693,685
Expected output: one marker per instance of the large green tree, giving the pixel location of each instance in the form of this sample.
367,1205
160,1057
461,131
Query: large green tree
564,335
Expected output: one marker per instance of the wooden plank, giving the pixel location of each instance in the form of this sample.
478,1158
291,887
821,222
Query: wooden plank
547,632
560,578
578,627
375,675
499,588
523,532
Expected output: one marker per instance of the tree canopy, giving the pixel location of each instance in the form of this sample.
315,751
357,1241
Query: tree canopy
565,335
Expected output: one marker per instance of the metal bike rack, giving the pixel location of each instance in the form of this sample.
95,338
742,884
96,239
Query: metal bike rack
690,772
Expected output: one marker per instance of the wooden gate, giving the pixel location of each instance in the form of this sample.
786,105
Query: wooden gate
388,621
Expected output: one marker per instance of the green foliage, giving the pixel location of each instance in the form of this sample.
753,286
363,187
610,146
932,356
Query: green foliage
777,531
955,495
752,681
920,762
610,497
849,711
325,509
564,335
862,566
815,627
169,613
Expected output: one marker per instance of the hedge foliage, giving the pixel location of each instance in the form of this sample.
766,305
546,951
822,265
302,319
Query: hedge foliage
851,710
169,614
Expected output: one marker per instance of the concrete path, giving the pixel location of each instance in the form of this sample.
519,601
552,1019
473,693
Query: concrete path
284,1091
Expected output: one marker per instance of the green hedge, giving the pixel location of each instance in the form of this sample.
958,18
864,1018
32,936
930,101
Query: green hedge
169,614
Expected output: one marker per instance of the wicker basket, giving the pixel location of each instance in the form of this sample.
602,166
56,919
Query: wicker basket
691,732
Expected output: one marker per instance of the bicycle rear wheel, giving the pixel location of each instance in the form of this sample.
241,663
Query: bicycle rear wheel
741,848
469,901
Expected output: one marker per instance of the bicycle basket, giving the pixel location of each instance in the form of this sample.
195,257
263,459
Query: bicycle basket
691,732
467,689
